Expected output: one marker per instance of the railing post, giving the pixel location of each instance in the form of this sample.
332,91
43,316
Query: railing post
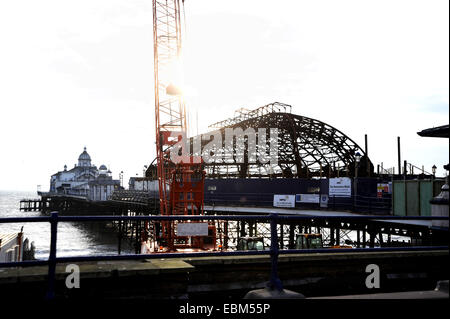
275,282
52,255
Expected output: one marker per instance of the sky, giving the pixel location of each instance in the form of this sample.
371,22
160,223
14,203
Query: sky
79,73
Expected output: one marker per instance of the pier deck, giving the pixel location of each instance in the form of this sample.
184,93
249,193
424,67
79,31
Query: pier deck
306,212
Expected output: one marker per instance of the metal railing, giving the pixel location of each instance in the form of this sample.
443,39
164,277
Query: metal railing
358,203
274,252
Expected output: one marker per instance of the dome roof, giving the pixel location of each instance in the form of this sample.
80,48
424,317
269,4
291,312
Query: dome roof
103,168
84,156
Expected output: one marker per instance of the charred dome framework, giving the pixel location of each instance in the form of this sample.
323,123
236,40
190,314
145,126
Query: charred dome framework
306,147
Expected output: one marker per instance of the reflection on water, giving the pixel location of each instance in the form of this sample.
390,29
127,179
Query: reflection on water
74,239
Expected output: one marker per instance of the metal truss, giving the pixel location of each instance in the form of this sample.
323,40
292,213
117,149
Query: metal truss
306,147
169,109
333,233
243,114
180,183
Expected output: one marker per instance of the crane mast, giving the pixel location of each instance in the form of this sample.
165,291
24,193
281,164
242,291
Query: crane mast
181,182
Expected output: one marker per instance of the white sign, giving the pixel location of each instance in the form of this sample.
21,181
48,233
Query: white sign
192,229
284,200
307,198
340,187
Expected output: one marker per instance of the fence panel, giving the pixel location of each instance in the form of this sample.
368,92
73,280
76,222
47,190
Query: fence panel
412,198
398,195
426,193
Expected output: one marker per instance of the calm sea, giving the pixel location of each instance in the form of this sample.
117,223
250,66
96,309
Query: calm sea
74,239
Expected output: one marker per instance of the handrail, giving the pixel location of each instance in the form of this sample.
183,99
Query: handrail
274,252
209,217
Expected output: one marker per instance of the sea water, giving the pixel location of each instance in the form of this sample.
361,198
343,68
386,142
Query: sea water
73,239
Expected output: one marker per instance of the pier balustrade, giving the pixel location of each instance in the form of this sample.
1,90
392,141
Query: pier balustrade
274,219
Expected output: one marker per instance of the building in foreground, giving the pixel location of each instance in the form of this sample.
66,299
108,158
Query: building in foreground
14,248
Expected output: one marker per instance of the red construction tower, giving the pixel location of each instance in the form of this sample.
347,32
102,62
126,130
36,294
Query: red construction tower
181,177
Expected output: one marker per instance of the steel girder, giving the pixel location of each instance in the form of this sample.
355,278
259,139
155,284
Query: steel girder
306,147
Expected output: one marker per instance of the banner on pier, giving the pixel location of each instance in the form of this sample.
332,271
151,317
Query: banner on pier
284,200
307,198
340,187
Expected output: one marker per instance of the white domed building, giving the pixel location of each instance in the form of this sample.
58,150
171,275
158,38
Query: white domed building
104,185
84,160
84,180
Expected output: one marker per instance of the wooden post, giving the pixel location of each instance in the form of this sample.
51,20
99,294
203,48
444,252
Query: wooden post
242,228
281,237
358,239
291,236
364,237
119,244
372,239
225,239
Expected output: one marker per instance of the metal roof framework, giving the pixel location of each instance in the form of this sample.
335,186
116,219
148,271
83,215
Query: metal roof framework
306,147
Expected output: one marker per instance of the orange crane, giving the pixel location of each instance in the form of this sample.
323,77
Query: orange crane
180,175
